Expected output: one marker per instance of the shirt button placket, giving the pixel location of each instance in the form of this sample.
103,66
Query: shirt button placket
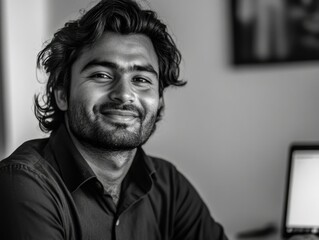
117,224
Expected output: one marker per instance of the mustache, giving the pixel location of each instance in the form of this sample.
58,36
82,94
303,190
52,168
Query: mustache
124,107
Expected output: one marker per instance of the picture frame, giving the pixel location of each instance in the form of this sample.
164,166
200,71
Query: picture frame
274,31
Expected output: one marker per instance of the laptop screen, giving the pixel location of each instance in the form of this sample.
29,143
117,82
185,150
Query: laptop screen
302,198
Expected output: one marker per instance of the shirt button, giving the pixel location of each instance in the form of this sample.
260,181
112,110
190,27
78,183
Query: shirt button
117,222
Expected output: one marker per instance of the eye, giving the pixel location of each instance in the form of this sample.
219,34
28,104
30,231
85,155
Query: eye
142,80
101,76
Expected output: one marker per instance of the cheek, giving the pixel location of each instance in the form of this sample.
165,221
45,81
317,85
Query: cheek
85,95
151,103
81,102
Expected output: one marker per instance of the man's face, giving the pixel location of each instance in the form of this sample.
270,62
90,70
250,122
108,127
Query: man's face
114,93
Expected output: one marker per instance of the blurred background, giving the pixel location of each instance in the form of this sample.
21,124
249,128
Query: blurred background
228,130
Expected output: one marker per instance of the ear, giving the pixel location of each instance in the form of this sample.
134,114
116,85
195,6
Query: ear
160,109
161,103
61,98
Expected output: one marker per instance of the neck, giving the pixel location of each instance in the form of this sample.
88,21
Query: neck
109,166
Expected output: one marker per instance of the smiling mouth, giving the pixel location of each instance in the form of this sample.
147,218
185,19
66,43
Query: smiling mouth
120,115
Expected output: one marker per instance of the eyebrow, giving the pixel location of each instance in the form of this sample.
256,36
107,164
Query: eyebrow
143,68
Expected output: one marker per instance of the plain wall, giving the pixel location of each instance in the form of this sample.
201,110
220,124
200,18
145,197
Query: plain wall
24,24
228,130
2,98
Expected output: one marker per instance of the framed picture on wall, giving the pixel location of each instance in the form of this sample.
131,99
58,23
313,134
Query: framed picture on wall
270,31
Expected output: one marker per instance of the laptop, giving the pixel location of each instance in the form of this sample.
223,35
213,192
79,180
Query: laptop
301,206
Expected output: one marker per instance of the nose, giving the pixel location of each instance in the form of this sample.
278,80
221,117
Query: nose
122,92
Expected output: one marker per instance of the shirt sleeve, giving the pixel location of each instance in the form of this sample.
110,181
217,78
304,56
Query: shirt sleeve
28,206
192,218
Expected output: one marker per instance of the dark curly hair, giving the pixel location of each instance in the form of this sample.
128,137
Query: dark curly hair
120,16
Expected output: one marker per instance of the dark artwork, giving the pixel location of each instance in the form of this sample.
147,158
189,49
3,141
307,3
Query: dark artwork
268,31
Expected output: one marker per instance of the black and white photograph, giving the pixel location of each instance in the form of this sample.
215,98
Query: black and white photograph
159,120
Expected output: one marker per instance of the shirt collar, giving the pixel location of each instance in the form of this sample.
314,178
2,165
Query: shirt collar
75,171
139,180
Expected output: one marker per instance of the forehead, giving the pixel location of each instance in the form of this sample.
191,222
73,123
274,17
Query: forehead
125,50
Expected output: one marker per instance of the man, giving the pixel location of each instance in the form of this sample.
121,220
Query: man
91,179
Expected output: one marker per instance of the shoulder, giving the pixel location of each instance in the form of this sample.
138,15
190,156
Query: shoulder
163,168
160,163
27,164
170,180
29,152
27,155
26,176
186,209
167,175
33,198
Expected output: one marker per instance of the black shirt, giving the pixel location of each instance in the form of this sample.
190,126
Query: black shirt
48,191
